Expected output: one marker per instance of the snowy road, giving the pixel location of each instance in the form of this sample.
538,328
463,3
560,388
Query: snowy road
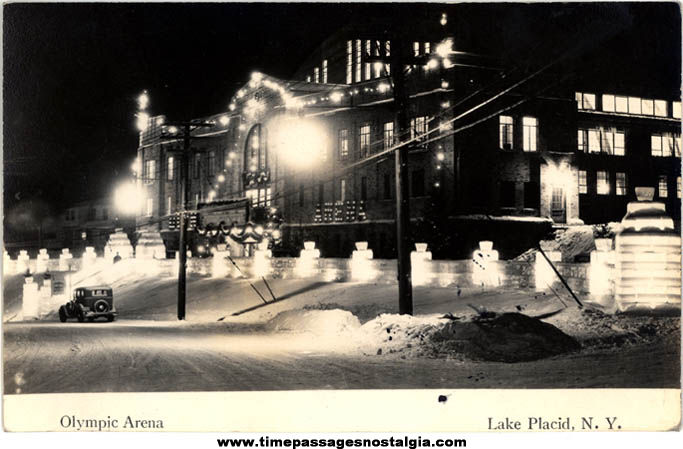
139,355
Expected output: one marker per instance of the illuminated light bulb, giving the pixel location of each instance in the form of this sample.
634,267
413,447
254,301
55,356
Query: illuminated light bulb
438,167
447,63
445,104
224,120
259,229
232,155
142,120
160,121
257,76
437,184
336,97
172,129
444,48
228,163
444,19
440,156
221,178
232,106
433,63
383,87
242,126
143,100
444,84
273,210
277,234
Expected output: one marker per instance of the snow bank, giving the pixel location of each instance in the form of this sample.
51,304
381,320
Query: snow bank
320,322
389,333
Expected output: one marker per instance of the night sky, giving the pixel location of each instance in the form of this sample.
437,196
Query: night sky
72,72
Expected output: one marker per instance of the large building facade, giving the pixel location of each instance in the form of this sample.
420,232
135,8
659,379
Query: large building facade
316,151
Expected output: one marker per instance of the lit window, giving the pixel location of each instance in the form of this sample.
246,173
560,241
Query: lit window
316,74
634,105
150,206
388,135
589,101
594,141
428,48
583,181
368,66
364,140
358,61
349,62
648,107
621,104
308,79
505,132
619,143
212,162
579,100
660,108
678,186
663,187
621,184
416,49
676,109
196,199
149,172
603,183
529,125
608,141
170,168
656,145
342,190
377,69
608,103
343,143
582,140
387,48
324,70
418,126
668,145
168,206
677,145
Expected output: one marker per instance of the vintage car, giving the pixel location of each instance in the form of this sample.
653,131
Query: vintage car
89,303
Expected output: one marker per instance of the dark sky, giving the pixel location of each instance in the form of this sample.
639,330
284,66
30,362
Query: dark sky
72,71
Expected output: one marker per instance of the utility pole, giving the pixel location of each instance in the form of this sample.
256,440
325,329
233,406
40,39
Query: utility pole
186,128
405,282
398,61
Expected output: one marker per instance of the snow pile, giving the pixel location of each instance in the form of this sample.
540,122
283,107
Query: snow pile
507,337
595,329
573,242
319,322
391,333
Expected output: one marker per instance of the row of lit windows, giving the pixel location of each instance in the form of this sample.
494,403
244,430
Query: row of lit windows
417,188
418,125
319,76
529,133
665,145
628,105
356,69
260,197
602,140
603,184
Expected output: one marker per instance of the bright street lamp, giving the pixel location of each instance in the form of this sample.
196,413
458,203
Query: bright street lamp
128,198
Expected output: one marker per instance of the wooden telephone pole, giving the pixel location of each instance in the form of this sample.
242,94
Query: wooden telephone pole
398,60
186,129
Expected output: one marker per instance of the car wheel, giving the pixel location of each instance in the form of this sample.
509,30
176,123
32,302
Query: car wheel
80,315
101,306
62,314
